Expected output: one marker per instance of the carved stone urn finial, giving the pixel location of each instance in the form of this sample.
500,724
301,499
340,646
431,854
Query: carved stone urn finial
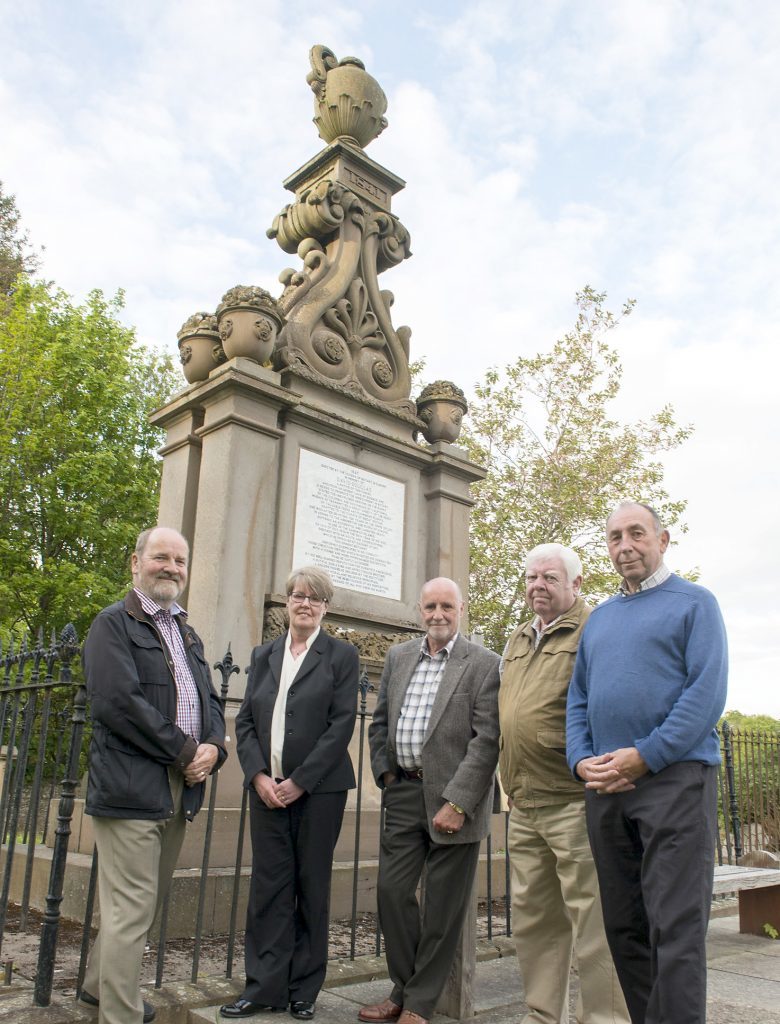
200,349
349,104
249,320
441,406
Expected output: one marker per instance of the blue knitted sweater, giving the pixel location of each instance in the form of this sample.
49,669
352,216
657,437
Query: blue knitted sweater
650,673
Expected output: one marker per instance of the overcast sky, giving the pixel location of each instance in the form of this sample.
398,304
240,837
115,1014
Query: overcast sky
633,146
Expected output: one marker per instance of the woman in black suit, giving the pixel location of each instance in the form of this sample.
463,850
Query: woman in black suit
293,731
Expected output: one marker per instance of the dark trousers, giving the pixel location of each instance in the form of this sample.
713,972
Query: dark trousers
286,943
654,848
420,948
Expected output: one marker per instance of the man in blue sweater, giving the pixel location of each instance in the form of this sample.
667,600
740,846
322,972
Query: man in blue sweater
648,688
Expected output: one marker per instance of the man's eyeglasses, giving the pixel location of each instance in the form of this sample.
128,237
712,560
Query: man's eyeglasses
298,598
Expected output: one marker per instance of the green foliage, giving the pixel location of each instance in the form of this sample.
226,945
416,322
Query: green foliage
79,473
416,370
557,465
756,722
16,257
772,932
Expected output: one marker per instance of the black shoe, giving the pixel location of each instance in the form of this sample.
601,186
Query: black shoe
149,1011
246,1008
302,1009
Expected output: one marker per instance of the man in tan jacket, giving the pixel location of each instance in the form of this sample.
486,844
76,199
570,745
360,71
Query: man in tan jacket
555,896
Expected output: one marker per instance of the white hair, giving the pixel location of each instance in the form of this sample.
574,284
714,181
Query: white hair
571,560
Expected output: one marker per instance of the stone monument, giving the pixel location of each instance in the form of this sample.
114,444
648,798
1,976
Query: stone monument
296,440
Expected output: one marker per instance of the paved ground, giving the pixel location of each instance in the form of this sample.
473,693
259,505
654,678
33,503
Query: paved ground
744,986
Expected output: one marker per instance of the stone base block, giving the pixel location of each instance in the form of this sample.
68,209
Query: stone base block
218,892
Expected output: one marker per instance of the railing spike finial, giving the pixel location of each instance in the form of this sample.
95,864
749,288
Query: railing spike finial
226,668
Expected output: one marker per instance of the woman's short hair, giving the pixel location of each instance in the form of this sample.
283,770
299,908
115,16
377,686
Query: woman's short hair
317,580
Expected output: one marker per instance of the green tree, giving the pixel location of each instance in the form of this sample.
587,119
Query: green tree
759,723
16,255
557,464
78,471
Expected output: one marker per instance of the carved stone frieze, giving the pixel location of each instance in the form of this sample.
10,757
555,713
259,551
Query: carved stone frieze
274,623
370,646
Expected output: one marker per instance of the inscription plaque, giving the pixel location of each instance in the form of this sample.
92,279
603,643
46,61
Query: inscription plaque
351,522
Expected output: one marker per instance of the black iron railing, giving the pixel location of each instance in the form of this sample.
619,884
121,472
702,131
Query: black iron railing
44,730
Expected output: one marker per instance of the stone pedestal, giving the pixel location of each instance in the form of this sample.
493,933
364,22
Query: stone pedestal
239,446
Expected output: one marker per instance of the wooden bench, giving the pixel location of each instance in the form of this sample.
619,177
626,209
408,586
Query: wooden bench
759,895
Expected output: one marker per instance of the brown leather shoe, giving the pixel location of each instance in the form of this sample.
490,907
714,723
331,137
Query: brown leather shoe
381,1013
410,1017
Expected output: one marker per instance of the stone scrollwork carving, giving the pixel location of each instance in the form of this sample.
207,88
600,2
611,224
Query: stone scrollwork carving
338,326
344,247
317,213
331,348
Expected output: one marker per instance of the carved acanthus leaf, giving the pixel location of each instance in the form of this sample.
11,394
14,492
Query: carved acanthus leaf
353,320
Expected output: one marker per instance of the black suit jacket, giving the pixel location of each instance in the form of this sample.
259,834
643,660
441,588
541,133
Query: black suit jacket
320,715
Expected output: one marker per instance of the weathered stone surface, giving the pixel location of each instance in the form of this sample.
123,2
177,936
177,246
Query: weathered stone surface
349,104
339,327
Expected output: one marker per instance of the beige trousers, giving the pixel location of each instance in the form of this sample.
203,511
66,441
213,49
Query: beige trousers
555,909
136,859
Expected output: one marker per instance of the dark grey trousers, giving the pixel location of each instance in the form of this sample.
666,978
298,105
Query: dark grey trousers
286,942
654,848
420,948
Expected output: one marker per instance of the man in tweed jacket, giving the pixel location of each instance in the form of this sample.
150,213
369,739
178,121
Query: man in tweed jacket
434,749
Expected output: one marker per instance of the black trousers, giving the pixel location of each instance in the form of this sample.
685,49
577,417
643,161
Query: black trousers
654,849
420,948
286,943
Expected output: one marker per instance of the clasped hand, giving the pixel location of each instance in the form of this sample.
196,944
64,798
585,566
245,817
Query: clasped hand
615,772
200,767
276,794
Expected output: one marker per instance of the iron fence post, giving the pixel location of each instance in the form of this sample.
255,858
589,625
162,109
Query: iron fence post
51,917
364,688
733,808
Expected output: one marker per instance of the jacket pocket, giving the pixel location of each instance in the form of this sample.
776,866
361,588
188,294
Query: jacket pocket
553,739
150,658
130,779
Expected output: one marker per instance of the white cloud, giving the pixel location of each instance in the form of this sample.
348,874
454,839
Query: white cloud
631,146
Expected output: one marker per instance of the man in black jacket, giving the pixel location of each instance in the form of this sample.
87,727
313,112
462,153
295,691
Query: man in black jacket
158,731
